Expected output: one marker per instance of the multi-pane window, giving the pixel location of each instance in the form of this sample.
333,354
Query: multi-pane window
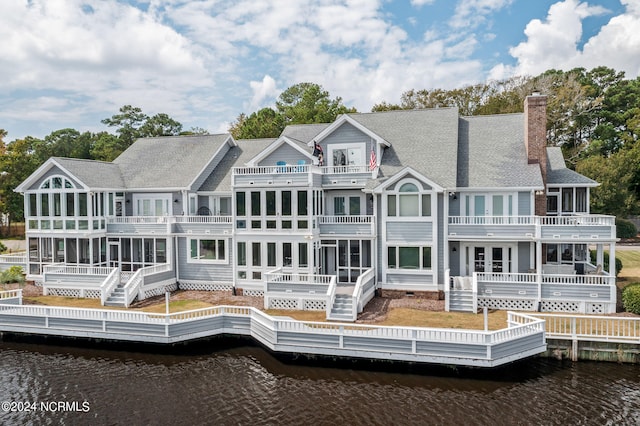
409,202
402,257
207,250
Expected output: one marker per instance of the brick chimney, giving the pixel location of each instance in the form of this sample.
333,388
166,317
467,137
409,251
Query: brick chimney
535,139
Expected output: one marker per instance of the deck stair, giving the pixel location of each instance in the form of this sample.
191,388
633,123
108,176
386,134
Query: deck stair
116,298
342,309
461,301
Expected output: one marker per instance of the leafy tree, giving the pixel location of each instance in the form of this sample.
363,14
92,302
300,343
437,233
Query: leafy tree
160,125
302,103
265,123
127,123
106,147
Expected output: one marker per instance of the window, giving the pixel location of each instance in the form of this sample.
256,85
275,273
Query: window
207,250
338,206
303,258
255,203
346,155
409,257
567,200
409,202
286,254
241,204
354,206
271,203
302,203
271,254
242,253
286,203
581,200
255,254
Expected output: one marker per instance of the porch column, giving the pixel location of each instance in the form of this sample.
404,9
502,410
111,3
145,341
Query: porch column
539,270
612,259
600,255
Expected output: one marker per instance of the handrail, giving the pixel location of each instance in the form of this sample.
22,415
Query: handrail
203,219
363,278
532,278
62,268
270,170
298,278
10,294
109,284
591,327
138,219
331,295
132,287
16,257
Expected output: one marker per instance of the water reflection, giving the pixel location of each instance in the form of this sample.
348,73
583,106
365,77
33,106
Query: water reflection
246,385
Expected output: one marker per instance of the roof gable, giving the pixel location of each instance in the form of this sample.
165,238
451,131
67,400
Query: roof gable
277,144
347,119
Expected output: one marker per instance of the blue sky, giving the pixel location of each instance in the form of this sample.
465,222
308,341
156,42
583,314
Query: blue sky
71,63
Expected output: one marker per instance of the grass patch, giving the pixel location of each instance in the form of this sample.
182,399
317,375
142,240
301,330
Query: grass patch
67,302
318,316
417,318
177,306
630,266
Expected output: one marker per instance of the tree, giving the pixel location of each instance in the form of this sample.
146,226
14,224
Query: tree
302,103
128,123
106,147
265,123
160,125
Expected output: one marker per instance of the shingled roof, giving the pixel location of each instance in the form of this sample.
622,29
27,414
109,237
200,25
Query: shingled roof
237,156
492,153
558,173
167,162
94,174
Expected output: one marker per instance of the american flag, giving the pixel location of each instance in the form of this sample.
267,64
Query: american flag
372,160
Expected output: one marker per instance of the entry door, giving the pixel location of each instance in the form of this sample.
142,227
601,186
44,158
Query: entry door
114,254
491,259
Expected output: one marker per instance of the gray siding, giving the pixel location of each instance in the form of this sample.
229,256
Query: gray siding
523,257
286,153
398,278
441,245
379,241
454,206
210,167
409,231
212,272
344,134
454,259
524,204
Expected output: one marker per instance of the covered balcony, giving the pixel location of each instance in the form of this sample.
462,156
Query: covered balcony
168,224
347,225
576,227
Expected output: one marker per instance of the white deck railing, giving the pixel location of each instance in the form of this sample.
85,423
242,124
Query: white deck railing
577,220
523,336
362,289
63,269
109,284
530,278
345,219
270,170
298,278
132,287
17,257
137,220
592,328
11,294
203,219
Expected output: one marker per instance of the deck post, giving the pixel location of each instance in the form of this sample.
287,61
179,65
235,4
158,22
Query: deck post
574,340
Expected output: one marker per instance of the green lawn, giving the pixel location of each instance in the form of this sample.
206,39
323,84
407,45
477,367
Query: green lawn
630,266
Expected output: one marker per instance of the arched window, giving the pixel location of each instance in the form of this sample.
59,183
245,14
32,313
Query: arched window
57,182
409,201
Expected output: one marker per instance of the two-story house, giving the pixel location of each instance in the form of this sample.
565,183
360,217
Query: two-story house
476,209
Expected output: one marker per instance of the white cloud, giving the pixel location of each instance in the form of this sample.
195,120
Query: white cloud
553,43
419,3
471,13
262,90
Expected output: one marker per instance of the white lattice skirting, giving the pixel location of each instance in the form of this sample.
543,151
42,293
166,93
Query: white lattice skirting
204,286
570,306
508,304
157,289
73,292
254,293
297,304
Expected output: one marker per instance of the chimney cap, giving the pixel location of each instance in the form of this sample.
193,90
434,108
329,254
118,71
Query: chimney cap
535,92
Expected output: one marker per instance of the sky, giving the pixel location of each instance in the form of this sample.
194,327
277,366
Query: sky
72,63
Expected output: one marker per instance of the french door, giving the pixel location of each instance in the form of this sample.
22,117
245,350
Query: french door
489,258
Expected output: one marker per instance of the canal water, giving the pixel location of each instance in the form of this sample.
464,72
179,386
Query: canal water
245,385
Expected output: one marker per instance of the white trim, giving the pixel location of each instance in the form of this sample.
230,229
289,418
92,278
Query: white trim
403,174
199,238
274,146
344,118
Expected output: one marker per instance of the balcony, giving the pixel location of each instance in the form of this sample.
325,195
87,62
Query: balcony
347,225
580,227
273,175
168,224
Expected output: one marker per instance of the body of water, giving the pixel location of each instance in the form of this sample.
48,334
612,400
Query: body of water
246,385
